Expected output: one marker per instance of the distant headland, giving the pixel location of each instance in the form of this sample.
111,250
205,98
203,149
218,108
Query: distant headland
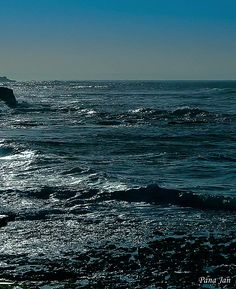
5,79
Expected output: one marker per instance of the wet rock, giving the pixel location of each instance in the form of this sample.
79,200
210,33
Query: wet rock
4,219
7,95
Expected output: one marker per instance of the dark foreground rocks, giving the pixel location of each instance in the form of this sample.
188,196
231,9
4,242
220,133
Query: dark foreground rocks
178,261
7,95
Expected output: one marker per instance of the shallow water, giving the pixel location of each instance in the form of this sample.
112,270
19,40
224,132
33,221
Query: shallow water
77,160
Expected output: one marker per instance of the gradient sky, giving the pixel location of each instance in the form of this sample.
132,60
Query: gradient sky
118,39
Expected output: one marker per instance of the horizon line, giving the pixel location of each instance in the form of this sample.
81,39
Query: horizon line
131,80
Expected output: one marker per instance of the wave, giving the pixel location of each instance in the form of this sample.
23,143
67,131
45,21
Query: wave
43,201
228,91
153,194
213,91
181,115
190,111
12,150
49,108
157,195
5,152
24,156
179,111
71,110
90,86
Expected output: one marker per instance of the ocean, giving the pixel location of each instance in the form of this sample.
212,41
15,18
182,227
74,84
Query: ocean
119,184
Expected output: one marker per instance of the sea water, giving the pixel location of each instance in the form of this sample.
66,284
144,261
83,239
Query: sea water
92,172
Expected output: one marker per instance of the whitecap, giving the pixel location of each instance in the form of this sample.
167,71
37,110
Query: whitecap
25,155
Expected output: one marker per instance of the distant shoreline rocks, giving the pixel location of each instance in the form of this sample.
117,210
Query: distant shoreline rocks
5,79
7,95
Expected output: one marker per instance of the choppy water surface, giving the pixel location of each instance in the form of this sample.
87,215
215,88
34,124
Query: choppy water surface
95,173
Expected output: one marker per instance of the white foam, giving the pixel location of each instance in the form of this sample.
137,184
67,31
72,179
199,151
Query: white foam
25,155
88,111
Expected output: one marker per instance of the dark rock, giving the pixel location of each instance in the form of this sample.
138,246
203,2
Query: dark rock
3,220
7,95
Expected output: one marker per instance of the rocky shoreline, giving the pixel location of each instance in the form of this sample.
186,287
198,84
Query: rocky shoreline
180,260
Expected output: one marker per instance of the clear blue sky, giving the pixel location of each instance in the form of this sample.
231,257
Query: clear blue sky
118,39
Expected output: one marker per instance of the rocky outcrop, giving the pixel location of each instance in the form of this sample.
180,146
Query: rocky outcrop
4,219
5,79
7,95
